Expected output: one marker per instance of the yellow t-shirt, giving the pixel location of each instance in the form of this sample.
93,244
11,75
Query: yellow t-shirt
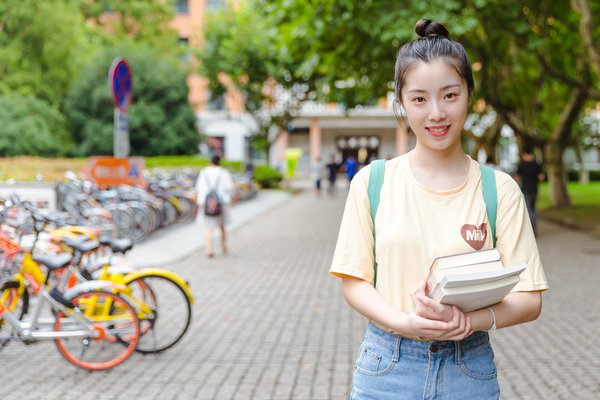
414,224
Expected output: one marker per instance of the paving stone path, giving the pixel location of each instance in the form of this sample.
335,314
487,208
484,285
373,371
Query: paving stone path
271,323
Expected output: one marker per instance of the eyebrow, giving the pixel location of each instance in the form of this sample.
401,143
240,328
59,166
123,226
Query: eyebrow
444,88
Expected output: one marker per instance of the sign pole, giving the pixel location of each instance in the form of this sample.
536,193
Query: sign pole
121,134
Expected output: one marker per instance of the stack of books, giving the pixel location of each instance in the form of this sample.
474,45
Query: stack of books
472,280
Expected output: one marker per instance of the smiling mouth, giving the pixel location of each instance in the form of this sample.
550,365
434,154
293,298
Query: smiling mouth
438,131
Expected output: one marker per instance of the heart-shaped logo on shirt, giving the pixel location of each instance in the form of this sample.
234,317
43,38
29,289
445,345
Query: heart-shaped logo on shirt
474,235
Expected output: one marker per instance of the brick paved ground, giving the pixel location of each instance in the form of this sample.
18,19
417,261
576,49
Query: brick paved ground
271,323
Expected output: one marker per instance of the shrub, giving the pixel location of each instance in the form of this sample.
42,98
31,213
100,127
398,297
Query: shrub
573,175
30,126
267,177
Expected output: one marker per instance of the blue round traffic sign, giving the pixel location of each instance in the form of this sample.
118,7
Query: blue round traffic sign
121,84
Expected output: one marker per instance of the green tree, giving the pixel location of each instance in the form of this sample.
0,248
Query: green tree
143,22
41,46
161,120
241,51
532,65
29,126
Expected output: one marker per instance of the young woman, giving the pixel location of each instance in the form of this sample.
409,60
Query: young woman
416,348
217,179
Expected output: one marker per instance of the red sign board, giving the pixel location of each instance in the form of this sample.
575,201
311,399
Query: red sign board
121,84
110,171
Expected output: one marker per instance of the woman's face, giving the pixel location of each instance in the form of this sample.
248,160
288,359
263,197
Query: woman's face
435,99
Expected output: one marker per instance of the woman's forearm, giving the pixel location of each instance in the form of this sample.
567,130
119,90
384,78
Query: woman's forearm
516,308
363,297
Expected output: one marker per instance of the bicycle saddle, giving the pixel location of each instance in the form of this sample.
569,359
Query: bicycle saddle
117,245
82,246
53,262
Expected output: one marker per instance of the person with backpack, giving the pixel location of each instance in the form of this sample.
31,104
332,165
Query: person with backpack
432,202
215,194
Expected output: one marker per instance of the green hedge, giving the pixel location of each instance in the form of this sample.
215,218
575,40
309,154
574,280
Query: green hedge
573,175
267,177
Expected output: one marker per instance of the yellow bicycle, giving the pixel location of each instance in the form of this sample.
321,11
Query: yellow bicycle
94,327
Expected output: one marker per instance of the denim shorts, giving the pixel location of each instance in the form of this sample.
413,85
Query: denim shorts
394,367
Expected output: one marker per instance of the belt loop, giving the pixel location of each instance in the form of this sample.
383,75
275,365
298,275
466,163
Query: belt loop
458,352
397,345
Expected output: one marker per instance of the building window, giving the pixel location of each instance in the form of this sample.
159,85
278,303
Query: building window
216,5
184,44
216,103
181,7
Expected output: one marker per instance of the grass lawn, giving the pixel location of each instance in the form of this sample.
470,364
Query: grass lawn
26,168
584,213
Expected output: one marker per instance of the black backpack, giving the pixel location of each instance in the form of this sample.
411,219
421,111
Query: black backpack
213,205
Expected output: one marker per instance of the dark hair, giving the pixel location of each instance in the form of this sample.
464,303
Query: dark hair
434,43
216,159
528,149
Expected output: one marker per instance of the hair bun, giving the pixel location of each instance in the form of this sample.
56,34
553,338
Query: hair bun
428,28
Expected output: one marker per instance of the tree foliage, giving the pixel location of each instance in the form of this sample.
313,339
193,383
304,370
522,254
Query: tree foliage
242,50
29,126
143,22
41,47
44,46
161,120
534,60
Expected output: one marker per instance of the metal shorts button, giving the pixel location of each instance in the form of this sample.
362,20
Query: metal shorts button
433,348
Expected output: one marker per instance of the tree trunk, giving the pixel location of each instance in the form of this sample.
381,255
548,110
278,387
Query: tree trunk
555,147
556,175
586,29
584,174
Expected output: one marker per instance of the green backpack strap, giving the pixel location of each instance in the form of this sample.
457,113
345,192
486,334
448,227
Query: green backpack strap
374,189
490,196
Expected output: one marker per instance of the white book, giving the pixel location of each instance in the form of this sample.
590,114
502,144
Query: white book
472,280
475,278
474,297
462,259
437,275
477,290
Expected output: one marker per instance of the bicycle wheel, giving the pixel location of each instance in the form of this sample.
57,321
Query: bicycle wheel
104,223
142,226
168,312
123,219
114,335
169,212
187,208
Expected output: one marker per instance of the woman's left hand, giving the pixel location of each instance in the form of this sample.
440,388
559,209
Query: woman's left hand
428,308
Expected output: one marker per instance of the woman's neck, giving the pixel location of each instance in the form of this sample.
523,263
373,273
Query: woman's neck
439,170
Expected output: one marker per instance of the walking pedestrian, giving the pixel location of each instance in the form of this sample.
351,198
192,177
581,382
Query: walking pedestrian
332,170
430,199
317,169
249,168
215,194
350,167
529,174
